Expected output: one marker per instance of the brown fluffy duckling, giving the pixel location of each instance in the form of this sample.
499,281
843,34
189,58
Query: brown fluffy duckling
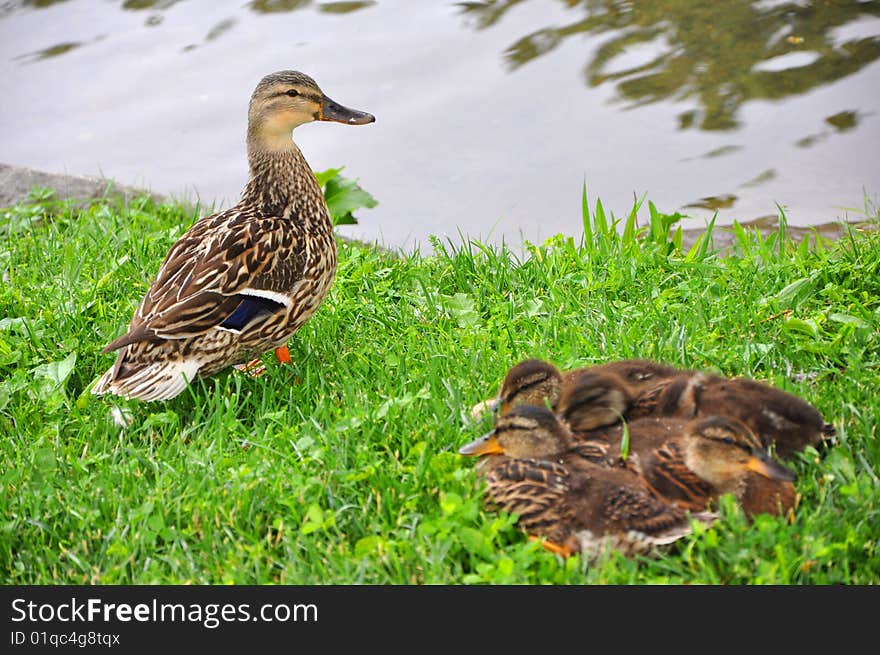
636,388
538,382
692,462
535,470
531,382
781,419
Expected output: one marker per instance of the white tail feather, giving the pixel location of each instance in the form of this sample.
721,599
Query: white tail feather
158,381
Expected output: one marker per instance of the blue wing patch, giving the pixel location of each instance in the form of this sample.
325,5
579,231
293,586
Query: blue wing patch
248,309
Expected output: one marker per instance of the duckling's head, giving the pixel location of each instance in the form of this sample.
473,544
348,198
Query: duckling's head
531,382
593,399
526,431
285,100
723,451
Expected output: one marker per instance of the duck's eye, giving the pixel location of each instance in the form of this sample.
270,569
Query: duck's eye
292,93
728,440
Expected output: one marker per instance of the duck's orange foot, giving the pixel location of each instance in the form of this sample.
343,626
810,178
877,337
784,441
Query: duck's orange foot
255,368
282,354
564,550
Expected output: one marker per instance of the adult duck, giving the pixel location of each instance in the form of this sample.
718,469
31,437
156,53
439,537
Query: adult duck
239,282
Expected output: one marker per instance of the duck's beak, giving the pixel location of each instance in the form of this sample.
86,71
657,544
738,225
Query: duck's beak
485,445
761,463
333,111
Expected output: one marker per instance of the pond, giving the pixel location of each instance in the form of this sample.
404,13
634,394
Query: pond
491,115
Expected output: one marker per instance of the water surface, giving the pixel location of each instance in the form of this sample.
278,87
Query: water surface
490,115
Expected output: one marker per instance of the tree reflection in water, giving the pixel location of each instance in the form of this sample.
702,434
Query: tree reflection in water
717,54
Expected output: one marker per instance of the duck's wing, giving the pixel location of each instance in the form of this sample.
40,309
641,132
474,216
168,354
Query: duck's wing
219,274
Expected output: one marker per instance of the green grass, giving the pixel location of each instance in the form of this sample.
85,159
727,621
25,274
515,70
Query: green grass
343,468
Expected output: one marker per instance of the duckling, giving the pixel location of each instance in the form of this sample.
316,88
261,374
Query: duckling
239,282
639,374
536,382
531,382
636,388
591,399
532,468
692,462
766,496
781,419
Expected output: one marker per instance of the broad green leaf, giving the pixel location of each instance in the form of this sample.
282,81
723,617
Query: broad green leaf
324,176
314,520
505,567
740,233
343,196
794,293
12,323
677,238
847,319
461,307
366,545
44,459
450,503
534,307
808,326
474,540
56,372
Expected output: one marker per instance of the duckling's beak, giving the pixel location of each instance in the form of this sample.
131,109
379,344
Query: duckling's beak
761,463
485,445
333,111
484,406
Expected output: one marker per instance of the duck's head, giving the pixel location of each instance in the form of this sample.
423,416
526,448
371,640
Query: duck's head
531,382
723,451
285,100
592,400
526,431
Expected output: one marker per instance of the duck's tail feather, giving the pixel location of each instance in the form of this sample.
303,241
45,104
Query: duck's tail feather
155,381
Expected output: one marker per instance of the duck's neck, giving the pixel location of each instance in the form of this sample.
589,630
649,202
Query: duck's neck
281,183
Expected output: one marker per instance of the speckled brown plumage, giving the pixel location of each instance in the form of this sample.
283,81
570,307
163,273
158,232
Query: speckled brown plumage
240,282
560,494
691,462
779,418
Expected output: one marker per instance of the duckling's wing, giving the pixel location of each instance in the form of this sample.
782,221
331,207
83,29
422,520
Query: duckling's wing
219,274
533,489
595,449
648,398
636,510
665,470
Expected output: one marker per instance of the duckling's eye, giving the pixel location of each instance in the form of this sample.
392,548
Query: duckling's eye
728,440
292,93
